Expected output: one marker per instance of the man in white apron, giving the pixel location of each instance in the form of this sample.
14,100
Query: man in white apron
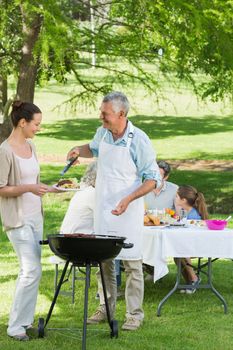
125,157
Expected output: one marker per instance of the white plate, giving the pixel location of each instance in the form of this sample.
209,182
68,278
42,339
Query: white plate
198,223
158,226
177,224
65,189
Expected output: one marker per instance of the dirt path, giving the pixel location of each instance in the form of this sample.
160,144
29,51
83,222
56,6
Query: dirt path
57,159
213,165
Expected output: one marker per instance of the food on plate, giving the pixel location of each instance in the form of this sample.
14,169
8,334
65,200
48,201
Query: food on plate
171,215
199,223
170,212
154,219
146,220
68,183
176,217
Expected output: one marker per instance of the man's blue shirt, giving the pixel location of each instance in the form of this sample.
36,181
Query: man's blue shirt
141,151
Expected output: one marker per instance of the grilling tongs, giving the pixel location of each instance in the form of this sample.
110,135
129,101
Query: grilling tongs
68,165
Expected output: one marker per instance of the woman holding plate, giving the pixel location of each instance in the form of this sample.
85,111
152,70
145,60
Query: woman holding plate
21,211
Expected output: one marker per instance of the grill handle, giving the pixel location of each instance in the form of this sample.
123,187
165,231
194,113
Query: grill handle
125,245
44,241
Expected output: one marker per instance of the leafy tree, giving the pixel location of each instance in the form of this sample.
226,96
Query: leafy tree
44,39
196,35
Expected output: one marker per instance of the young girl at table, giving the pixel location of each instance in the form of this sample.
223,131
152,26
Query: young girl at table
193,202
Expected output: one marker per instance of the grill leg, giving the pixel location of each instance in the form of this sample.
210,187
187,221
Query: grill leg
57,292
73,282
55,277
113,324
105,294
87,285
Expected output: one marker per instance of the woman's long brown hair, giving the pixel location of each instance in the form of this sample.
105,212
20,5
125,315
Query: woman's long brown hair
195,199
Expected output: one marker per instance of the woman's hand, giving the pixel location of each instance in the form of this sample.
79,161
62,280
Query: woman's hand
39,189
51,189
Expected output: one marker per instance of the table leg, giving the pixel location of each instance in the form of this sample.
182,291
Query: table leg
218,295
208,285
176,286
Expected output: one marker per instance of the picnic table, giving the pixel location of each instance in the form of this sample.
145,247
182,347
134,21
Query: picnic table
159,244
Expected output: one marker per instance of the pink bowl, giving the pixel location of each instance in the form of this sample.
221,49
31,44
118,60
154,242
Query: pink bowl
216,224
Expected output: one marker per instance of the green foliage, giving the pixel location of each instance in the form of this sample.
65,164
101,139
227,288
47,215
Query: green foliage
195,37
10,40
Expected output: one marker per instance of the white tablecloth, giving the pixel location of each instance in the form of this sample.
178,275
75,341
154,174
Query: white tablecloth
161,243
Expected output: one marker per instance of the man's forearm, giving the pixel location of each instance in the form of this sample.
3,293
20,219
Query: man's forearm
145,188
81,151
122,206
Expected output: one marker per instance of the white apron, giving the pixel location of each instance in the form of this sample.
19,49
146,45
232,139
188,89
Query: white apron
116,178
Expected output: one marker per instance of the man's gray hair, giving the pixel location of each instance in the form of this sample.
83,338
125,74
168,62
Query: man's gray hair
119,101
89,176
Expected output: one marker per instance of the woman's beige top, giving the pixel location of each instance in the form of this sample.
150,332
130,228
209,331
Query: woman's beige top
11,207
30,170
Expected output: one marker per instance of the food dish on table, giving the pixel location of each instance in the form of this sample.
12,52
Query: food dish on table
151,220
198,223
216,224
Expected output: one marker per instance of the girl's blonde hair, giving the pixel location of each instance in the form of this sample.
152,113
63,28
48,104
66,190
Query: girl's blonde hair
195,199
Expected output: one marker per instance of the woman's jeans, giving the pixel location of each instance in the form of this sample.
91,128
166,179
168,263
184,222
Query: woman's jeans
25,241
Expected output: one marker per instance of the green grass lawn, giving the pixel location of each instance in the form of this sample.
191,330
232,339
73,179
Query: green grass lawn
187,322
173,137
179,129
179,125
216,186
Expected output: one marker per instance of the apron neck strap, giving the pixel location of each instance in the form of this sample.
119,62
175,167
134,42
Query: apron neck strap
104,135
130,134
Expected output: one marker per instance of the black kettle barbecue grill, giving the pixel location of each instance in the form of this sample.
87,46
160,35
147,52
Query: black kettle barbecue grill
84,250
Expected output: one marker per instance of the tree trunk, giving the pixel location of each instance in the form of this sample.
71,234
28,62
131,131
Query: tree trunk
27,70
5,123
3,93
5,129
28,66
